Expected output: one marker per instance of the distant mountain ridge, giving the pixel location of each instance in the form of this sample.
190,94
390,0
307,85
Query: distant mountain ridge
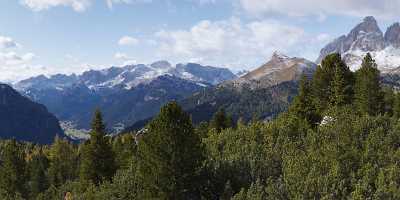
129,76
280,68
124,94
368,37
22,119
263,93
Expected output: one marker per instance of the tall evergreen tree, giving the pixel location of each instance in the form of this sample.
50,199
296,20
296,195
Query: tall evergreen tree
332,83
63,162
396,105
169,156
37,173
368,92
13,170
388,101
303,105
221,121
97,161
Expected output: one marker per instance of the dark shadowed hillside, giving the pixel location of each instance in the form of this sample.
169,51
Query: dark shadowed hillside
25,120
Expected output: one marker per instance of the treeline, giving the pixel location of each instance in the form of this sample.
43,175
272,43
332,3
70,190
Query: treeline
340,139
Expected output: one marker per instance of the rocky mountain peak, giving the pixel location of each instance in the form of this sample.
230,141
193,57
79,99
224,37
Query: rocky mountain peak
279,56
279,69
392,35
366,36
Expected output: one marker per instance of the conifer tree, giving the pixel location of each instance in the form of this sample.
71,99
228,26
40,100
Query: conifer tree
169,156
332,83
63,162
37,174
388,101
396,105
12,169
221,121
97,162
303,105
368,92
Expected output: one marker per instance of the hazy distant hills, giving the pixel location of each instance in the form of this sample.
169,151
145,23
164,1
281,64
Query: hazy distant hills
124,94
22,119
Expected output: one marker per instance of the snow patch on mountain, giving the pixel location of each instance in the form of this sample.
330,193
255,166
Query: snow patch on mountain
129,76
365,38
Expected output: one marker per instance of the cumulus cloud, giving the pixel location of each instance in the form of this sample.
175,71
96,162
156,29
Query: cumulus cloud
234,43
39,5
381,8
128,41
6,42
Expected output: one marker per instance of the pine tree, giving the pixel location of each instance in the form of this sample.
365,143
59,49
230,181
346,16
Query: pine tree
388,101
63,161
332,83
169,156
368,92
342,84
12,170
221,121
303,105
37,174
97,162
396,105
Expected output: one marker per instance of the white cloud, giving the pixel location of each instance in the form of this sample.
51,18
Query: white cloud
12,58
39,5
6,42
128,41
126,60
360,8
110,3
14,66
235,44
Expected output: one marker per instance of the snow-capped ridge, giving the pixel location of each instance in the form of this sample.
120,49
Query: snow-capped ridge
129,76
367,37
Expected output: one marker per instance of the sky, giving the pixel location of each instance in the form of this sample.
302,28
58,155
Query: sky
71,36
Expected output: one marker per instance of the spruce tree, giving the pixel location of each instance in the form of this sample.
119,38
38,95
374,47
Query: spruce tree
303,105
396,105
368,92
332,83
97,161
63,162
12,170
169,156
37,173
221,121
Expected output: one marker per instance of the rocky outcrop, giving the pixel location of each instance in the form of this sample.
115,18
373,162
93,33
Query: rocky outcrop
280,68
392,35
367,37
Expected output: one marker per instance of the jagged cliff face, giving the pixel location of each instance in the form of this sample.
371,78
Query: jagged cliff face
392,35
368,37
280,68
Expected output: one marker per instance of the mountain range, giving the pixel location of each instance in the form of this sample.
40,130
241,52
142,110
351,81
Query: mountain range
124,94
129,96
262,93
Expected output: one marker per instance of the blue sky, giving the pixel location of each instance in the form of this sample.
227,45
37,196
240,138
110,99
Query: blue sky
70,36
